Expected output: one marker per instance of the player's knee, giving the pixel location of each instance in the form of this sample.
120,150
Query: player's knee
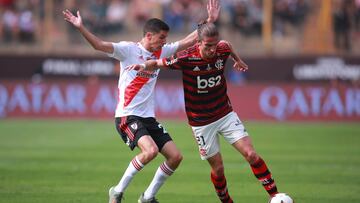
151,153
175,160
178,158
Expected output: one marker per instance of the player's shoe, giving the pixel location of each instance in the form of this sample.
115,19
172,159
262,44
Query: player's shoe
142,200
115,197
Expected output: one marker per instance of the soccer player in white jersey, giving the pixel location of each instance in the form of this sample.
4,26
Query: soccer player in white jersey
135,116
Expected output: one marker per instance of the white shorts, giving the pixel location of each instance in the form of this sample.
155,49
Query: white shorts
207,136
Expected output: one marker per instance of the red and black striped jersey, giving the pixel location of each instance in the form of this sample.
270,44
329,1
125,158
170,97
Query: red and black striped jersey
204,83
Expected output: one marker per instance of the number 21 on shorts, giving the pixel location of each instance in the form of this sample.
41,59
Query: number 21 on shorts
200,140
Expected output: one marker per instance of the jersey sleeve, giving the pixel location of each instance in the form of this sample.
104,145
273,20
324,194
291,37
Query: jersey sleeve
224,46
175,61
121,50
169,49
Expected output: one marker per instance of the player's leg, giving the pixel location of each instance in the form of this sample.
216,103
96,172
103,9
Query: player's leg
173,158
209,149
257,164
235,133
165,170
134,133
172,154
218,178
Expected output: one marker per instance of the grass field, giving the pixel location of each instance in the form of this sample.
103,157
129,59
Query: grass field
77,161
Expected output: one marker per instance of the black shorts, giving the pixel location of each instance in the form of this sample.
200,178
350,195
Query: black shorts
131,128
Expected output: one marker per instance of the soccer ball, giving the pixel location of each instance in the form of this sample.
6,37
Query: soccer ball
281,198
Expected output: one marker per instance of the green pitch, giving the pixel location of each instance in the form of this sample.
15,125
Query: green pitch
77,161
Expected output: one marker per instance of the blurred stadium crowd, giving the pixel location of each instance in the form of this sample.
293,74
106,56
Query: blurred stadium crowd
39,23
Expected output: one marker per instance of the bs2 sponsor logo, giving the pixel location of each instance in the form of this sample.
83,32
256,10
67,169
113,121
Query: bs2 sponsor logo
210,82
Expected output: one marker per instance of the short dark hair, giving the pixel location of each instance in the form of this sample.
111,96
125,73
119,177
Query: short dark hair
155,25
207,30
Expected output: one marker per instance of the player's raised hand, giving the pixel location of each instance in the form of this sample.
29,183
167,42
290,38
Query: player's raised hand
75,20
240,65
213,9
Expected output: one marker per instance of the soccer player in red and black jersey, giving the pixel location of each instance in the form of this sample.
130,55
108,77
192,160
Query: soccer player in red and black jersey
208,107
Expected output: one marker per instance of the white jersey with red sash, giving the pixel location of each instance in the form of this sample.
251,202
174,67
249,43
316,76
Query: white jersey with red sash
136,89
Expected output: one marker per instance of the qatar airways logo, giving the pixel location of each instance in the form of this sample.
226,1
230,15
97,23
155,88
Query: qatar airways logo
78,100
310,102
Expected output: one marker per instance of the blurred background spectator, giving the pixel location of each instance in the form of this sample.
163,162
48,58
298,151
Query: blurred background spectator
26,22
10,24
357,15
173,13
115,15
246,16
342,16
289,13
37,25
18,23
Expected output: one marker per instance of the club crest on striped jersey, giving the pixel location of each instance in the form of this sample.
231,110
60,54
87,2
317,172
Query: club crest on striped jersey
219,64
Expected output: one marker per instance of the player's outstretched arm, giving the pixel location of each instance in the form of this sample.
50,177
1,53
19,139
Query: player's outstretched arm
213,9
149,65
95,42
239,64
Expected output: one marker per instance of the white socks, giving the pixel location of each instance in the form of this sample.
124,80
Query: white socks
134,167
162,173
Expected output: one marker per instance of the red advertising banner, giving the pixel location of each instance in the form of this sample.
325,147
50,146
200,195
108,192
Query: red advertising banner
19,99
296,102
72,99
